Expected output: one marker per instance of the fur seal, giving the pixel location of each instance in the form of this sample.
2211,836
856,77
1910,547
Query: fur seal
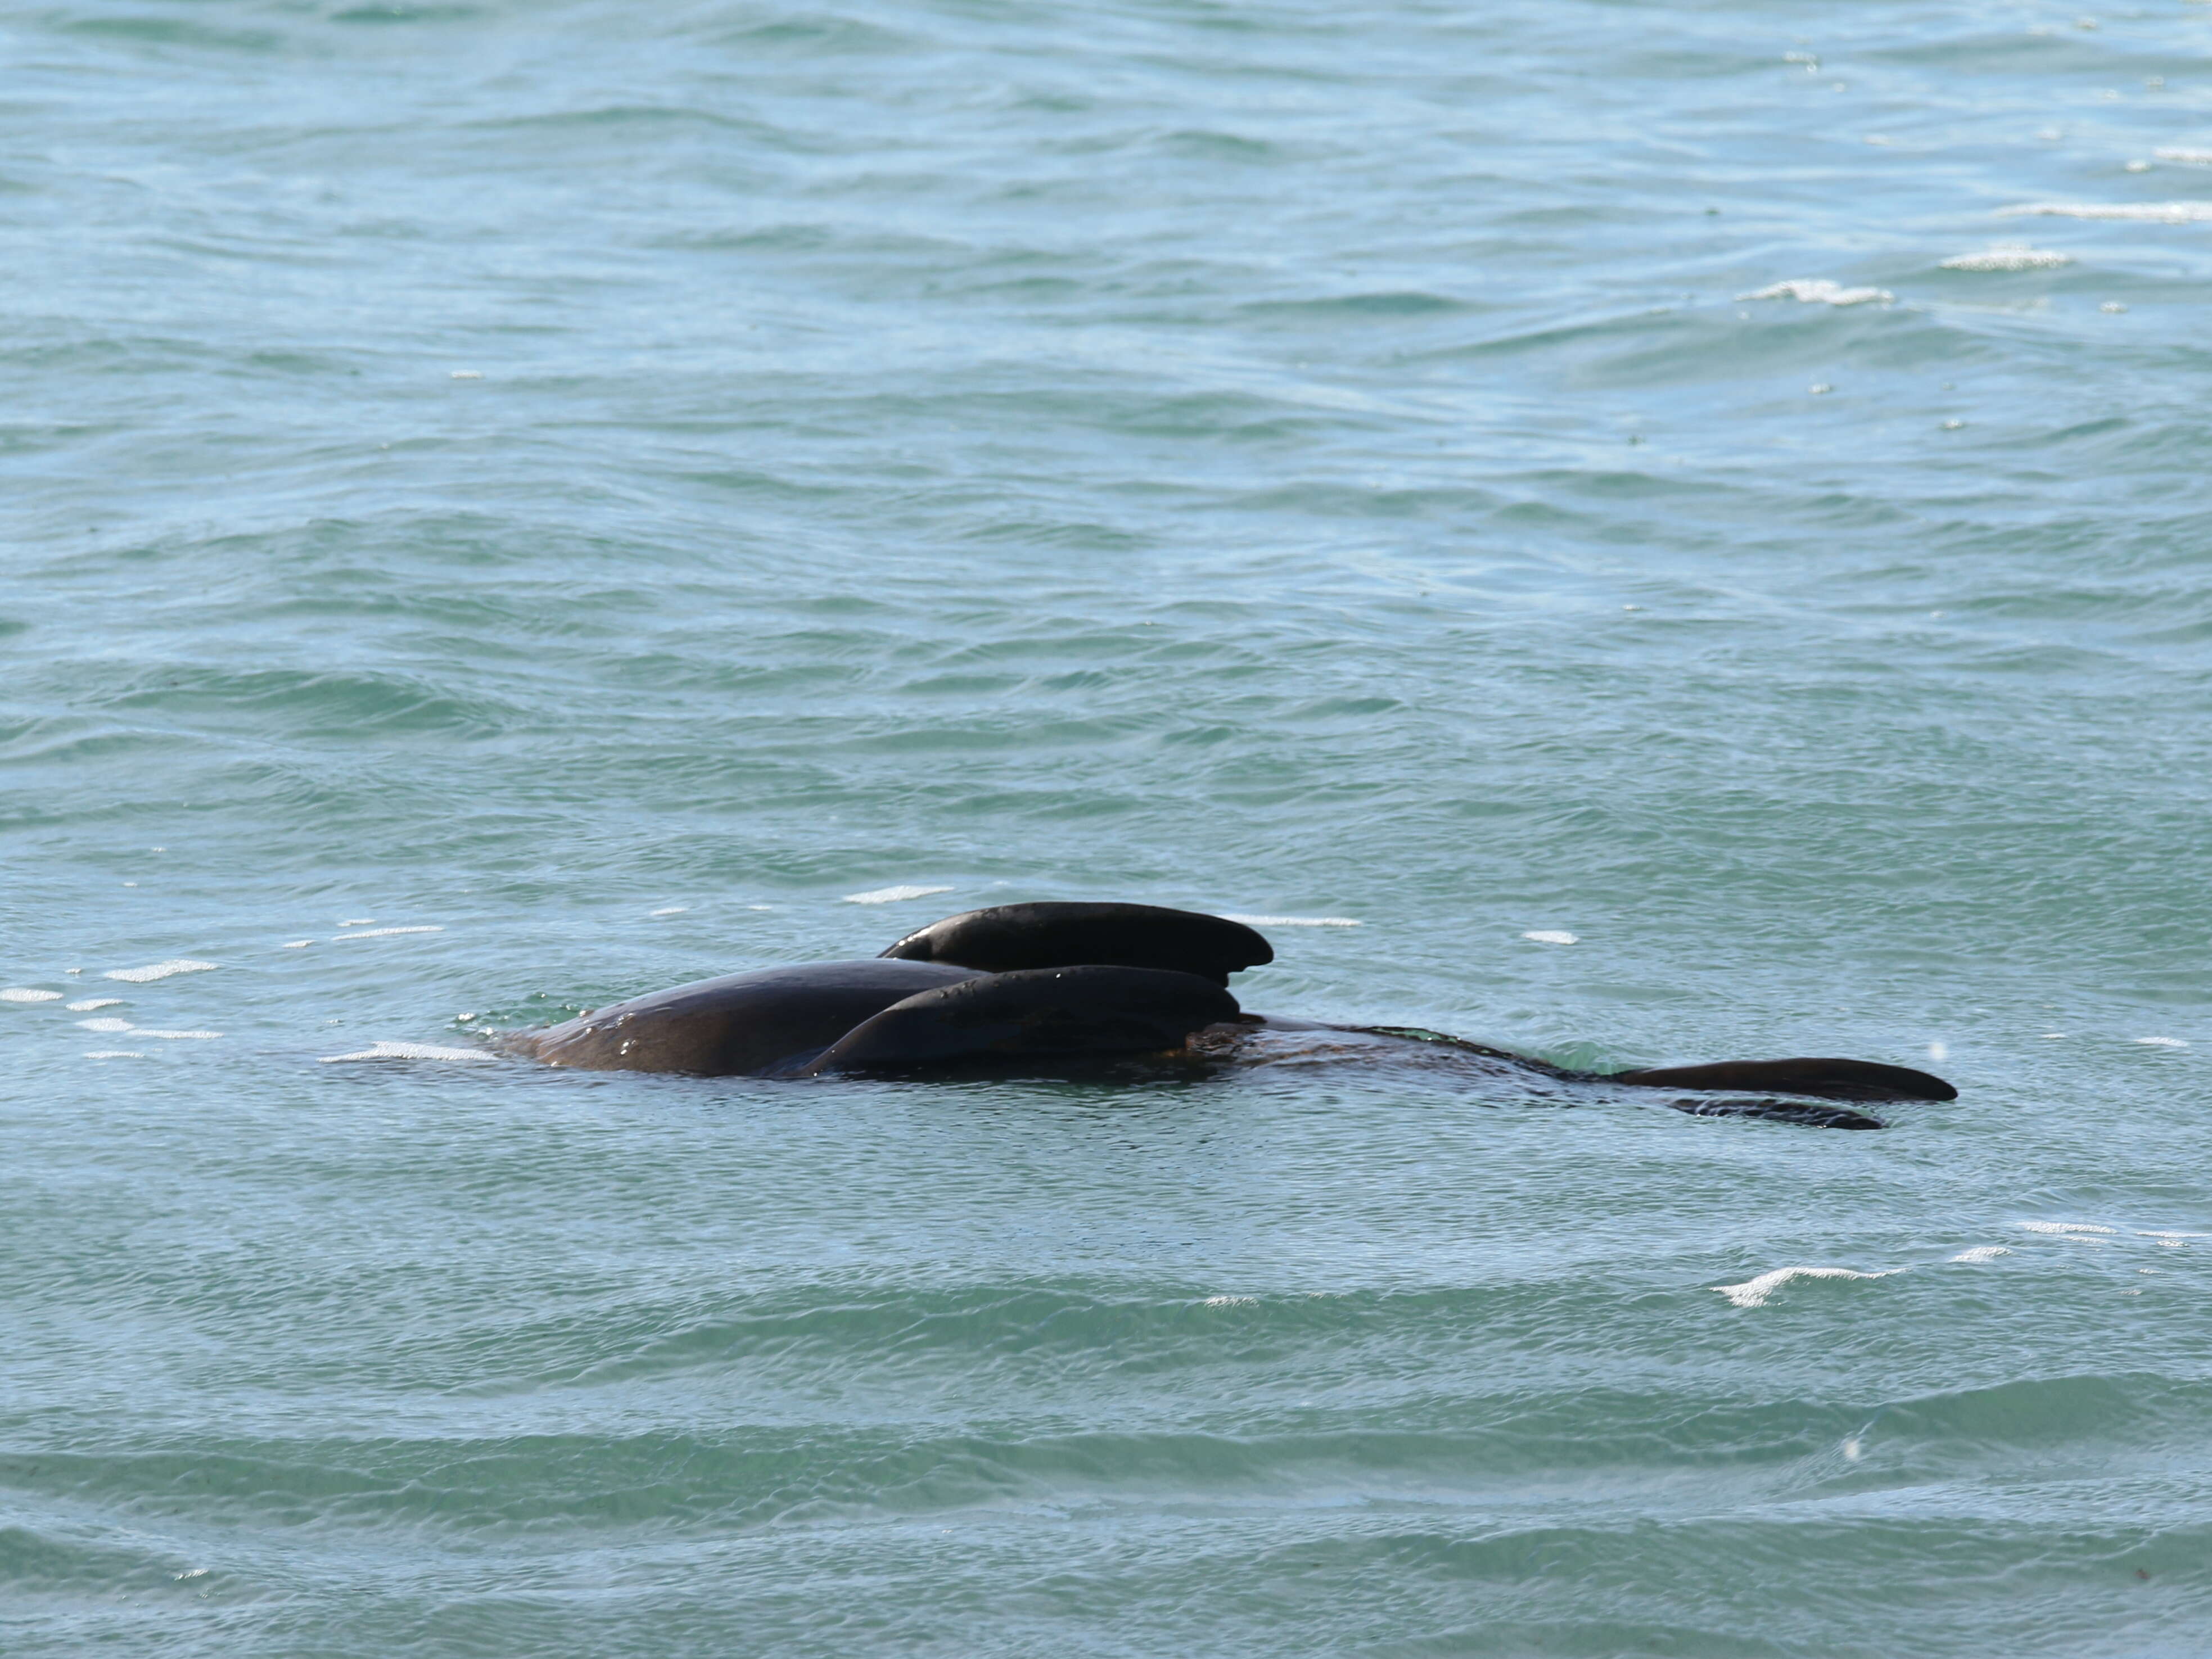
1025,988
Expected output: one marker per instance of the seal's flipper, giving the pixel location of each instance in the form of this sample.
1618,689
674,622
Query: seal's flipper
1781,1111
1824,1079
1041,1014
1009,938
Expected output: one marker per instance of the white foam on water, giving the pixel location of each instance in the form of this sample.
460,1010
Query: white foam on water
892,895
25,993
468,374
1819,291
152,971
1939,1051
386,933
298,944
2156,213
113,1054
178,1037
2169,1232
1231,1302
410,1051
1854,1449
2064,1227
670,910
1553,936
1754,1293
90,1003
109,1023
2162,1042
1982,1253
2011,256
1292,921
359,921
2195,158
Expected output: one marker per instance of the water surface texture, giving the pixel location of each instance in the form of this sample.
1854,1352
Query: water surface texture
1647,533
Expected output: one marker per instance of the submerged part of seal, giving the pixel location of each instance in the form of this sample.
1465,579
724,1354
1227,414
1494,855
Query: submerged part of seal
1829,1079
741,1024
1034,1014
1007,937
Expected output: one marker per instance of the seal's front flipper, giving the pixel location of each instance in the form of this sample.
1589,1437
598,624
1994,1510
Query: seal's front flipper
1781,1111
1038,1014
1009,938
1824,1079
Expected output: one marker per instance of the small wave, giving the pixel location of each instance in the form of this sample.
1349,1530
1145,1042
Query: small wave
2008,259
892,895
24,993
1754,1293
174,1036
152,971
2064,1227
1292,921
107,1024
1819,291
1553,936
386,932
115,1054
2195,158
2162,1042
90,1003
1982,1253
2157,213
408,1051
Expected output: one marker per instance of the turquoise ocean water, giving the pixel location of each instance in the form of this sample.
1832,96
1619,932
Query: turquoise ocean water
507,507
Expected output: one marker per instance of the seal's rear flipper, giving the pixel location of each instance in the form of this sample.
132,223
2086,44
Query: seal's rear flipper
1008,938
1039,1014
1781,1111
1824,1079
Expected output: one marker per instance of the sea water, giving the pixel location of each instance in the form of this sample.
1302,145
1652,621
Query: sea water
1638,533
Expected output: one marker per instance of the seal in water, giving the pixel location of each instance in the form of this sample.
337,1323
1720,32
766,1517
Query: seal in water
1048,989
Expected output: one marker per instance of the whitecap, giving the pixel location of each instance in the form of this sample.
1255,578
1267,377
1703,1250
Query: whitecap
2162,1042
298,944
892,895
1982,1253
408,1051
178,1037
90,1003
1292,921
1819,291
386,933
25,993
2195,158
2008,258
1230,1302
2064,1227
1754,1293
113,1054
1553,936
359,921
2157,213
160,970
109,1023
670,910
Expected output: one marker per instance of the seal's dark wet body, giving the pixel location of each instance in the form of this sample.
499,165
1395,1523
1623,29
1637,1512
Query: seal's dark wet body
1055,990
